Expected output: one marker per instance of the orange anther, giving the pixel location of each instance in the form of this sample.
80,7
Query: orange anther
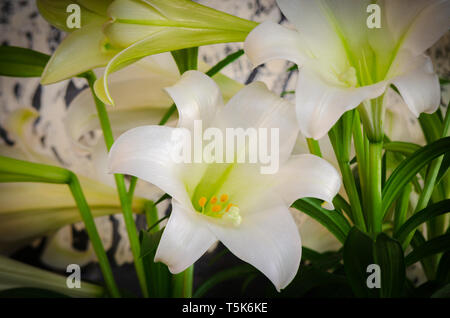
202,201
213,200
224,198
216,208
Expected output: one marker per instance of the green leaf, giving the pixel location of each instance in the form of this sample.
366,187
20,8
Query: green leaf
431,126
223,63
157,274
388,254
21,62
186,59
334,221
358,254
408,168
444,292
420,217
443,271
405,148
313,282
436,245
223,276
444,168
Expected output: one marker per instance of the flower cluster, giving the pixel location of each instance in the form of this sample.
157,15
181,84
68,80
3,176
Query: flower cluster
353,77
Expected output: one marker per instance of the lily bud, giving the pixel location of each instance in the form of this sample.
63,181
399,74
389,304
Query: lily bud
134,29
56,11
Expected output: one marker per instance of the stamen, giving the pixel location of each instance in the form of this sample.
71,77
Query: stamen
228,207
202,202
216,208
224,198
213,200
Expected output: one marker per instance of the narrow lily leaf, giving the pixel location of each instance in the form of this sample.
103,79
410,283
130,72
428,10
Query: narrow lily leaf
158,275
313,281
21,62
388,254
436,245
335,222
443,271
444,168
358,255
444,292
223,276
420,217
431,126
405,148
406,171
221,64
14,274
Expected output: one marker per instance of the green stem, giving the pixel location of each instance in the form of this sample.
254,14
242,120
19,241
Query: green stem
314,147
401,209
121,189
33,172
151,214
132,187
374,188
182,283
341,140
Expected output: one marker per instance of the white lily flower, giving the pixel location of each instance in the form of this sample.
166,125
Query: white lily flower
233,202
343,62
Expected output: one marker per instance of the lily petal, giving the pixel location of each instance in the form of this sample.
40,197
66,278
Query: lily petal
185,238
418,24
197,97
271,41
418,84
308,176
69,60
312,19
320,105
145,152
267,239
255,106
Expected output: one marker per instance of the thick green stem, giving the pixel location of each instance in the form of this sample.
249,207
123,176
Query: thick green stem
121,189
33,172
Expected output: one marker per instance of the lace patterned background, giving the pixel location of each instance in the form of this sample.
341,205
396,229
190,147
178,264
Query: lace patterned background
21,25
